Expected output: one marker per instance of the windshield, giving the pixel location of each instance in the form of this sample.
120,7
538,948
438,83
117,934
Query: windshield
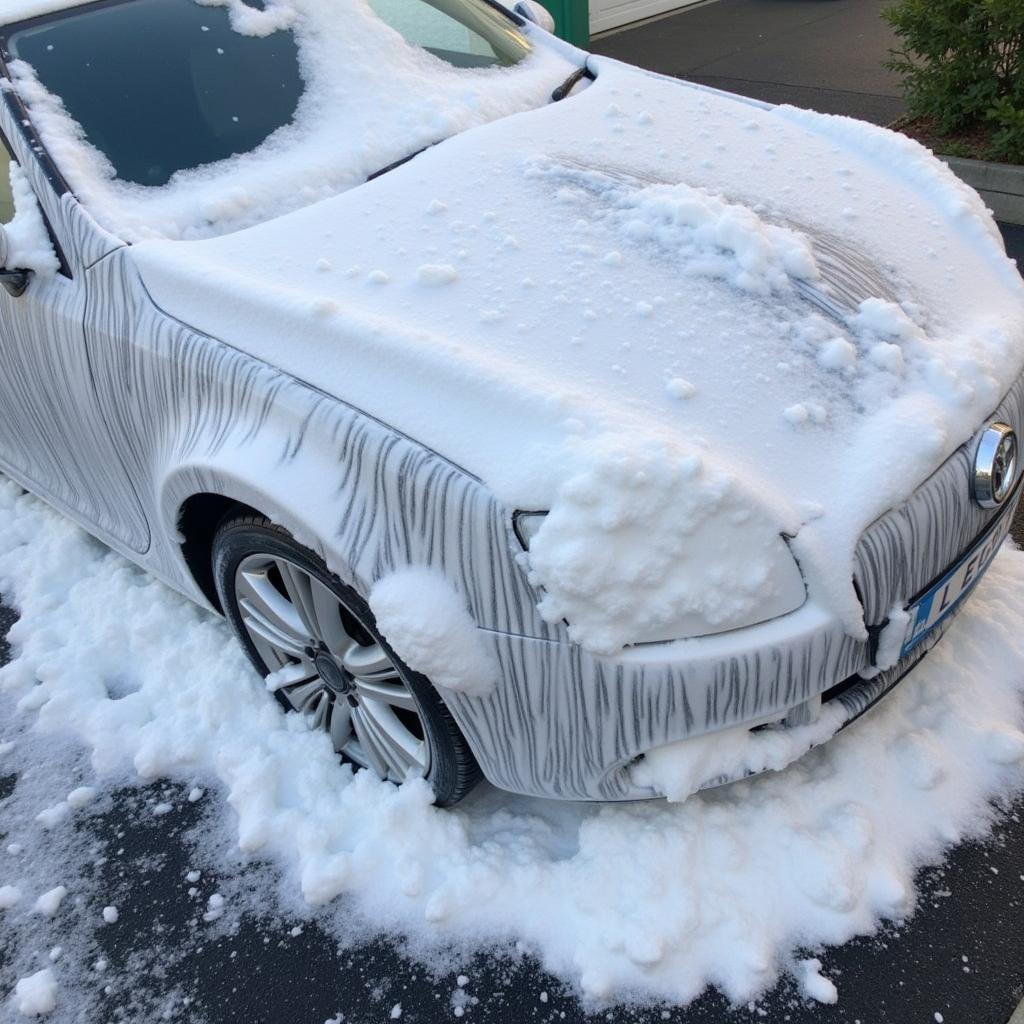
161,86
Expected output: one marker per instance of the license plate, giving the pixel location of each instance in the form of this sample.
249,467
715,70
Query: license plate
943,597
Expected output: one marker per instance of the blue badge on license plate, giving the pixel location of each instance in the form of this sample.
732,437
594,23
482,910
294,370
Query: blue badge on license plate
942,598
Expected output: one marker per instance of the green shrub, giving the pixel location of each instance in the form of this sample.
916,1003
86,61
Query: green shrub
962,64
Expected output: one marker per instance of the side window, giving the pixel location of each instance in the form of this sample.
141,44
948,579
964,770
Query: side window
426,23
6,196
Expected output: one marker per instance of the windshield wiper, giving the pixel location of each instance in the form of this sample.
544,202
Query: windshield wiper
559,94
571,82
398,163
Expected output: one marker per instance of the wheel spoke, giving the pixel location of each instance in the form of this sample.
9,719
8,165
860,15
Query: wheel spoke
397,746
291,674
300,592
368,662
393,693
321,706
268,615
273,657
368,743
301,695
327,612
340,726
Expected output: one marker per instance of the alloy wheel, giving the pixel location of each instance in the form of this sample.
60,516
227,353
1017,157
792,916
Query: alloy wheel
329,667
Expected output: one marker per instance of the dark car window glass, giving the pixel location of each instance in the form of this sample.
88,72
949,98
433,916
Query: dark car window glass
164,85
160,86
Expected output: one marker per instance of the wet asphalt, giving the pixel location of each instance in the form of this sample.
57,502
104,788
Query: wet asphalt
823,54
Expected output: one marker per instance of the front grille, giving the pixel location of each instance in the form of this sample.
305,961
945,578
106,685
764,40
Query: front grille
911,545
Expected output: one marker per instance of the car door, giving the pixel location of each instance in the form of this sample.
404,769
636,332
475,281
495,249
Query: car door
53,435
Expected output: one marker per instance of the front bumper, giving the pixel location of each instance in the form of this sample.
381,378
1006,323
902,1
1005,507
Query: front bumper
563,723
571,725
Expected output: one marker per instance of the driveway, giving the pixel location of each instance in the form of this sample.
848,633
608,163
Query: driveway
823,54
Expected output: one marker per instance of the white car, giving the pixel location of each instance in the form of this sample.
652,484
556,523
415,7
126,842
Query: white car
525,413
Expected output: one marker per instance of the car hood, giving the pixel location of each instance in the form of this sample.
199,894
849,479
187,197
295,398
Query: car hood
813,308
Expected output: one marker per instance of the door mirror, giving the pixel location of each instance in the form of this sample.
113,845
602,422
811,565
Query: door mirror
13,281
533,11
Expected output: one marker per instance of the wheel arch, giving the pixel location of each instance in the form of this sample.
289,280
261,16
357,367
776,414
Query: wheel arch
198,518
196,504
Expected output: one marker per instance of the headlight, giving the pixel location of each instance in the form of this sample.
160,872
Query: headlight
619,583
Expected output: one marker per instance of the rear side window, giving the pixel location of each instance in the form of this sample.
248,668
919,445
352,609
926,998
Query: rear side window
164,85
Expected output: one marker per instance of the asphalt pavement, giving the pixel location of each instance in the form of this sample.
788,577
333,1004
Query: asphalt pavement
824,54
959,956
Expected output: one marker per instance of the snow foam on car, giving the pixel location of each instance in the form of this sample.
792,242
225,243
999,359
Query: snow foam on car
650,901
764,301
370,99
29,246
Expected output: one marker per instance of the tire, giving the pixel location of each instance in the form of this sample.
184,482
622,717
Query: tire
295,619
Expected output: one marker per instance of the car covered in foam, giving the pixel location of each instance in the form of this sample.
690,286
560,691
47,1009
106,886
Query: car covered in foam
527,414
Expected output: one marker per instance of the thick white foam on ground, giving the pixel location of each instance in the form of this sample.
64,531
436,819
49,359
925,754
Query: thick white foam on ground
36,995
643,900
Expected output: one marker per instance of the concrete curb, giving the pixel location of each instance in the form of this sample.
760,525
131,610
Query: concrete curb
1000,185
1018,1015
